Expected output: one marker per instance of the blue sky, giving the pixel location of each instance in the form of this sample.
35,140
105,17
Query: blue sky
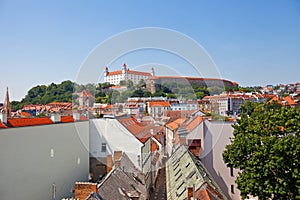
251,42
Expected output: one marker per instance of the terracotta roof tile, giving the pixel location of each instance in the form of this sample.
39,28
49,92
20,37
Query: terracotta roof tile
19,122
83,118
159,104
194,123
67,119
175,124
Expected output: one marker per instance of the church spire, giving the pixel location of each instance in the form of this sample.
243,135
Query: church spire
6,104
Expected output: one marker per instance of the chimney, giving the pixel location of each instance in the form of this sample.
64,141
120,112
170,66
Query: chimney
3,118
84,189
109,163
191,193
117,158
76,117
56,118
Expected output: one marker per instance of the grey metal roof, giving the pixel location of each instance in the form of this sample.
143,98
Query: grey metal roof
185,170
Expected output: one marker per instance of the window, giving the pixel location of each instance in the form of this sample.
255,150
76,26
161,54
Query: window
231,171
232,189
103,147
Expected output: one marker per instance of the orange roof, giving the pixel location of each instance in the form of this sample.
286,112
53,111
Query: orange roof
114,73
83,118
194,123
131,125
19,122
290,100
25,114
86,93
138,73
159,104
175,124
67,119
154,146
129,72
188,78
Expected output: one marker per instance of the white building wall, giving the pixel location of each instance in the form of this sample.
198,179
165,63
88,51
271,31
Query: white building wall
33,158
117,138
216,137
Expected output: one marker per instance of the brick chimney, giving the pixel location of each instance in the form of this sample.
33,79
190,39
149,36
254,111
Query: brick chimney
109,163
84,189
190,193
117,158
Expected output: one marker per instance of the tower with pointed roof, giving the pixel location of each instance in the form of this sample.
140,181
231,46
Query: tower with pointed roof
6,104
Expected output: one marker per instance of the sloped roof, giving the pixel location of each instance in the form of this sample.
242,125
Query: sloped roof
159,104
123,182
194,123
67,119
175,124
19,122
184,171
118,72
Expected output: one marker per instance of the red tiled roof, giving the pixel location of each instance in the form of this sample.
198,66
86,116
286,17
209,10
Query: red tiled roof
131,125
194,123
129,72
86,93
175,124
138,73
83,118
114,73
290,100
25,114
67,119
19,122
159,104
188,78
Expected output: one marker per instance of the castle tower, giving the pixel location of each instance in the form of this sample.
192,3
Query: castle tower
124,70
152,71
106,71
6,104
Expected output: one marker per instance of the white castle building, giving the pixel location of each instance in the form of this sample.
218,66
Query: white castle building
126,74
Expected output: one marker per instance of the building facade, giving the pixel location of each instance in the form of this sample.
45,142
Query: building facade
125,74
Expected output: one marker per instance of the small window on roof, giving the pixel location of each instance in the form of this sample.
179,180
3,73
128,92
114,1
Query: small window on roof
103,147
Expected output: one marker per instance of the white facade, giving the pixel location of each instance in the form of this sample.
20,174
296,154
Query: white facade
116,137
36,157
184,106
126,74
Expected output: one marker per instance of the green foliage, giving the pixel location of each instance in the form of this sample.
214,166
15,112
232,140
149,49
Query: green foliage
266,148
248,107
43,94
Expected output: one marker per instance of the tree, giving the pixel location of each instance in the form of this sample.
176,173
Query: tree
266,149
248,107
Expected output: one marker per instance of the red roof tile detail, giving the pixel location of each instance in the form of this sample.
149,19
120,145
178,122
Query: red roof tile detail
194,123
86,93
67,119
114,73
175,124
159,104
19,122
83,118
118,72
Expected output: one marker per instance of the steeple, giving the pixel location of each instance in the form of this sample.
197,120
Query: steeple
6,104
